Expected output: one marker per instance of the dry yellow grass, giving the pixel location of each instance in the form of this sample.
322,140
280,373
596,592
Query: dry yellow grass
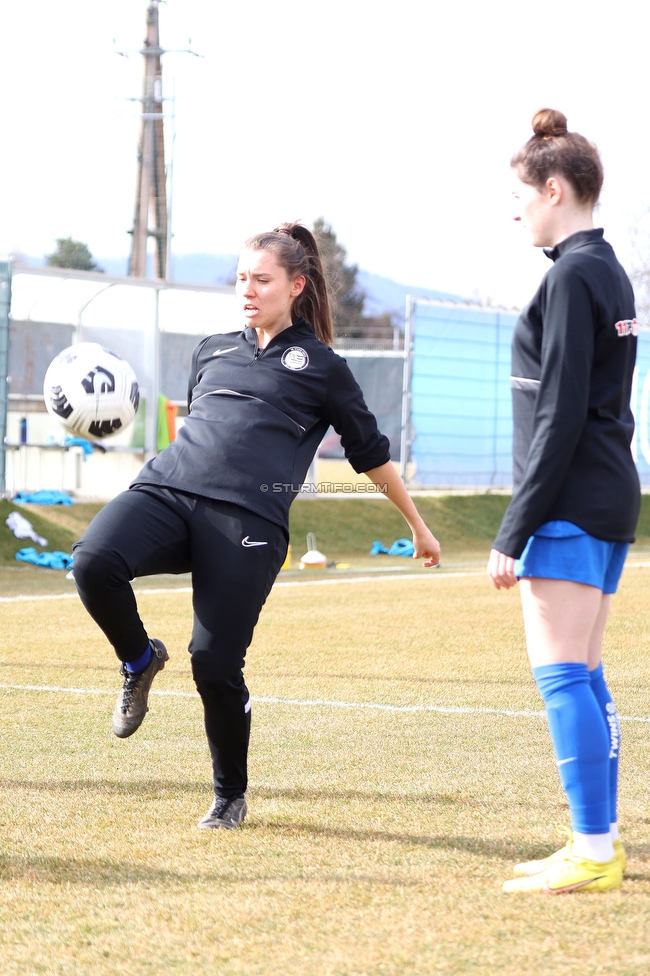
376,842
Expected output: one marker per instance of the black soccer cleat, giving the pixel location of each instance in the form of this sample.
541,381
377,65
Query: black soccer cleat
131,706
225,812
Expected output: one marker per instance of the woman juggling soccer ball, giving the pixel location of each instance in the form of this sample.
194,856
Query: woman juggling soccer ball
576,492
216,501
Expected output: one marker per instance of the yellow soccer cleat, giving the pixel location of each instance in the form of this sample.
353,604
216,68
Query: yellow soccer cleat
620,855
529,868
569,874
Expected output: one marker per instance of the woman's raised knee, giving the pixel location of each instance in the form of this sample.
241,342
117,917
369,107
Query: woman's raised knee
93,571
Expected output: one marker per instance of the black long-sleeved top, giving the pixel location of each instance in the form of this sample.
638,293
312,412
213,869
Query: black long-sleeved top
257,416
573,356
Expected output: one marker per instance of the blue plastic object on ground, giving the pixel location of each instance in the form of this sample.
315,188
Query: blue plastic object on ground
81,442
53,560
43,497
378,547
401,547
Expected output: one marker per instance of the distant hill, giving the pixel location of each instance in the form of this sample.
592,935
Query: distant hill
383,294
386,295
204,269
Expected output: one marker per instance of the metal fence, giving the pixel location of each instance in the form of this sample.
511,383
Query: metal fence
460,390
640,402
155,326
441,395
5,306
461,404
382,374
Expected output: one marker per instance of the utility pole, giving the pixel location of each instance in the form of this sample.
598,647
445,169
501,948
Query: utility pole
150,218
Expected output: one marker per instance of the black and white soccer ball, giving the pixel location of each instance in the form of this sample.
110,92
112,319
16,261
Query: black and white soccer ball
91,391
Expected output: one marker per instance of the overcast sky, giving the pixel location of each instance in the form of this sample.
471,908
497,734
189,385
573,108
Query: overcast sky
395,121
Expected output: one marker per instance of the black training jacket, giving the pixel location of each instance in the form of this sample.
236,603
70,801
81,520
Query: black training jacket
257,416
573,356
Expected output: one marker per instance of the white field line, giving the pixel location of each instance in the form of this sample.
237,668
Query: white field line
75,596
306,582
318,582
41,596
379,579
317,702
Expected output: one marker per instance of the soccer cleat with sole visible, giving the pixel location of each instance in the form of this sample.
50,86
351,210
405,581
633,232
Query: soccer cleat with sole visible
225,812
529,868
131,706
570,874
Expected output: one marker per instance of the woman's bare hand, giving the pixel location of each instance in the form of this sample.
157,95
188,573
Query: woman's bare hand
427,546
501,570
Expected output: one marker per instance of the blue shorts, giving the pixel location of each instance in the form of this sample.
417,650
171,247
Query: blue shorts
561,550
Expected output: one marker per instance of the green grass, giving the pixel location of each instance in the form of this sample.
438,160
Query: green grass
348,527
61,525
345,528
57,536
465,525
376,842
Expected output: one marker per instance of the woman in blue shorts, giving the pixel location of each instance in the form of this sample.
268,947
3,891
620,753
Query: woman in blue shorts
576,492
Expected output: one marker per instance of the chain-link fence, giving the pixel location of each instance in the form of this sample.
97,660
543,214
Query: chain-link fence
461,405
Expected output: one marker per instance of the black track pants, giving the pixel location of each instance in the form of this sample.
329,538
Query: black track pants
146,531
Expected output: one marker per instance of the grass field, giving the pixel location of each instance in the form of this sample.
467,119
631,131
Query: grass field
377,838
344,527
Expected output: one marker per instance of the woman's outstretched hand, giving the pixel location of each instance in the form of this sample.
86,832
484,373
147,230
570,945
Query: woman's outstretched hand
501,569
426,546
391,485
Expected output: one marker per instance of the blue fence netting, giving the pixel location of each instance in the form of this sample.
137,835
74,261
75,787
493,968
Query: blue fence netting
641,408
461,408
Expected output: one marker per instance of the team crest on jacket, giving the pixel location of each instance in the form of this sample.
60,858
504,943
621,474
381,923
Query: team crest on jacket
627,327
295,358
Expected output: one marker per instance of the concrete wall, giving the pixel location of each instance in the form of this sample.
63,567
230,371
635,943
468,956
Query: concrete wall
97,477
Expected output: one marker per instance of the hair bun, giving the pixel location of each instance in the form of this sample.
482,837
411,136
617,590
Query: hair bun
548,122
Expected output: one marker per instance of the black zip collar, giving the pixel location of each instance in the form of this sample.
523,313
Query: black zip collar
579,239
299,327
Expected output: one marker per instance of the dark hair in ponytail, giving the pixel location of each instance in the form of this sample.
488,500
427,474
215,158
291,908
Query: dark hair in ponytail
554,151
297,252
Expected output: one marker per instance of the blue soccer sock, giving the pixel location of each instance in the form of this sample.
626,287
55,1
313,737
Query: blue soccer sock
140,663
608,709
581,743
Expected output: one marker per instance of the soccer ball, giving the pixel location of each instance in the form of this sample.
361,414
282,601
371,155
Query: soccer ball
91,391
